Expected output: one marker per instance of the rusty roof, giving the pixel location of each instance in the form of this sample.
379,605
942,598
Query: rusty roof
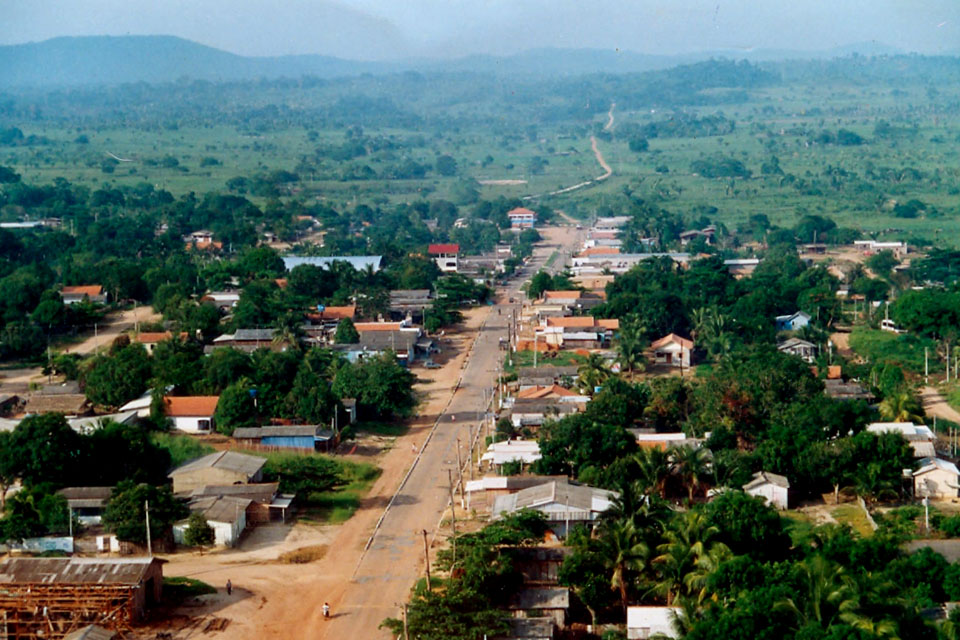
69,404
153,336
672,338
128,571
84,290
190,406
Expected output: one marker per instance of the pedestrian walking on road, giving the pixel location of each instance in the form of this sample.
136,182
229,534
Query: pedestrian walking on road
326,610
413,447
229,587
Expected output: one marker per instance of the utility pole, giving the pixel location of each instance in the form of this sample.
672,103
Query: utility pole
472,443
146,511
926,366
453,516
534,347
406,632
426,557
460,474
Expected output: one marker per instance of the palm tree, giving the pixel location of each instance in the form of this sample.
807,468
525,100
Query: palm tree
592,373
692,463
689,538
624,552
653,469
901,407
826,591
631,345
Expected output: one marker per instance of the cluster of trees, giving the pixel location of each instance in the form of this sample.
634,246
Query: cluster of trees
45,455
294,383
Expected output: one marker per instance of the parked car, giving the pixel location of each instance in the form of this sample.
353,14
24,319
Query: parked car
430,364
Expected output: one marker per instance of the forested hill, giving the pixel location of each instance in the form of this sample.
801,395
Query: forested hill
110,60
117,60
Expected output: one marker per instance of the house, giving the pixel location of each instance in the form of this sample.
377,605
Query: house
410,303
9,403
521,218
71,405
793,322
267,504
88,292
226,515
546,376
552,392
611,222
193,414
595,265
86,503
526,452
541,602
707,233
302,436
88,424
44,594
937,479
869,247
150,339
574,300
563,504
648,439
218,468
850,390
482,492
741,267
771,487
403,338
672,350
801,348
920,437
445,255
577,332
534,412
649,622
224,301
359,263
249,340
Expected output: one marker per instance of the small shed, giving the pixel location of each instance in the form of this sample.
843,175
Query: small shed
71,405
221,467
936,479
802,348
227,515
771,487
308,437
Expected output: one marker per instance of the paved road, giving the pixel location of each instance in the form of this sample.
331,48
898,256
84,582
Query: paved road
394,560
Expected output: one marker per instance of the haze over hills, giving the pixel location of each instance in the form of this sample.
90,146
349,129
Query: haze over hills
72,61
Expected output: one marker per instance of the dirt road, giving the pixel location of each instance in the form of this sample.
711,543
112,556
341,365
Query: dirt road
363,587
934,404
18,380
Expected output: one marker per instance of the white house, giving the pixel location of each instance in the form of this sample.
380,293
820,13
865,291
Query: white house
647,622
563,504
445,255
672,350
937,479
521,218
524,451
802,348
773,488
193,414
90,293
227,515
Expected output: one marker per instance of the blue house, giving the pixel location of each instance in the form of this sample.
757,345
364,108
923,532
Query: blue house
309,437
793,322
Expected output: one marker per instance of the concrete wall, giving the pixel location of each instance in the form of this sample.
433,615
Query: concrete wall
193,424
774,495
937,484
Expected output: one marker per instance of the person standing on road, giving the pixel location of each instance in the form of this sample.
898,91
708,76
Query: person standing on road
326,610
229,587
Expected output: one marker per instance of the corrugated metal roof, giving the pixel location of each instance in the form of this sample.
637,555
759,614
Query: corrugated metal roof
226,460
258,492
297,430
67,404
74,570
91,632
220,508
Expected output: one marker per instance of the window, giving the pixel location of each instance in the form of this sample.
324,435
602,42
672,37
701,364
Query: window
203,425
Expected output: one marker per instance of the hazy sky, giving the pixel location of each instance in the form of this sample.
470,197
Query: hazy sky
384,29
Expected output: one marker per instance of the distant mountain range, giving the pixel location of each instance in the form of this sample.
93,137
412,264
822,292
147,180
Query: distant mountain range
95,60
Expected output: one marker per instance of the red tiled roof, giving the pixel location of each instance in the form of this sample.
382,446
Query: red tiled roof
84,290
600,251
521,211
611,323
190,406
686,343
572,322
153,336
437,249
543,392
378,326
553,295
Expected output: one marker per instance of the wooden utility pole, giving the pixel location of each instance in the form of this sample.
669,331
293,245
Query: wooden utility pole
460,474
426,557
453,516
470,459
406,632
146,511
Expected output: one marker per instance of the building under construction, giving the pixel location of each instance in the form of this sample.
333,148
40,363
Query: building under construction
49,598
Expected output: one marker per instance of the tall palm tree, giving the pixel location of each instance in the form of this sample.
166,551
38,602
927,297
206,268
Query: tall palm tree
689,538
624,552
693,466
653,469
826,591
901,407
631,345
592,373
